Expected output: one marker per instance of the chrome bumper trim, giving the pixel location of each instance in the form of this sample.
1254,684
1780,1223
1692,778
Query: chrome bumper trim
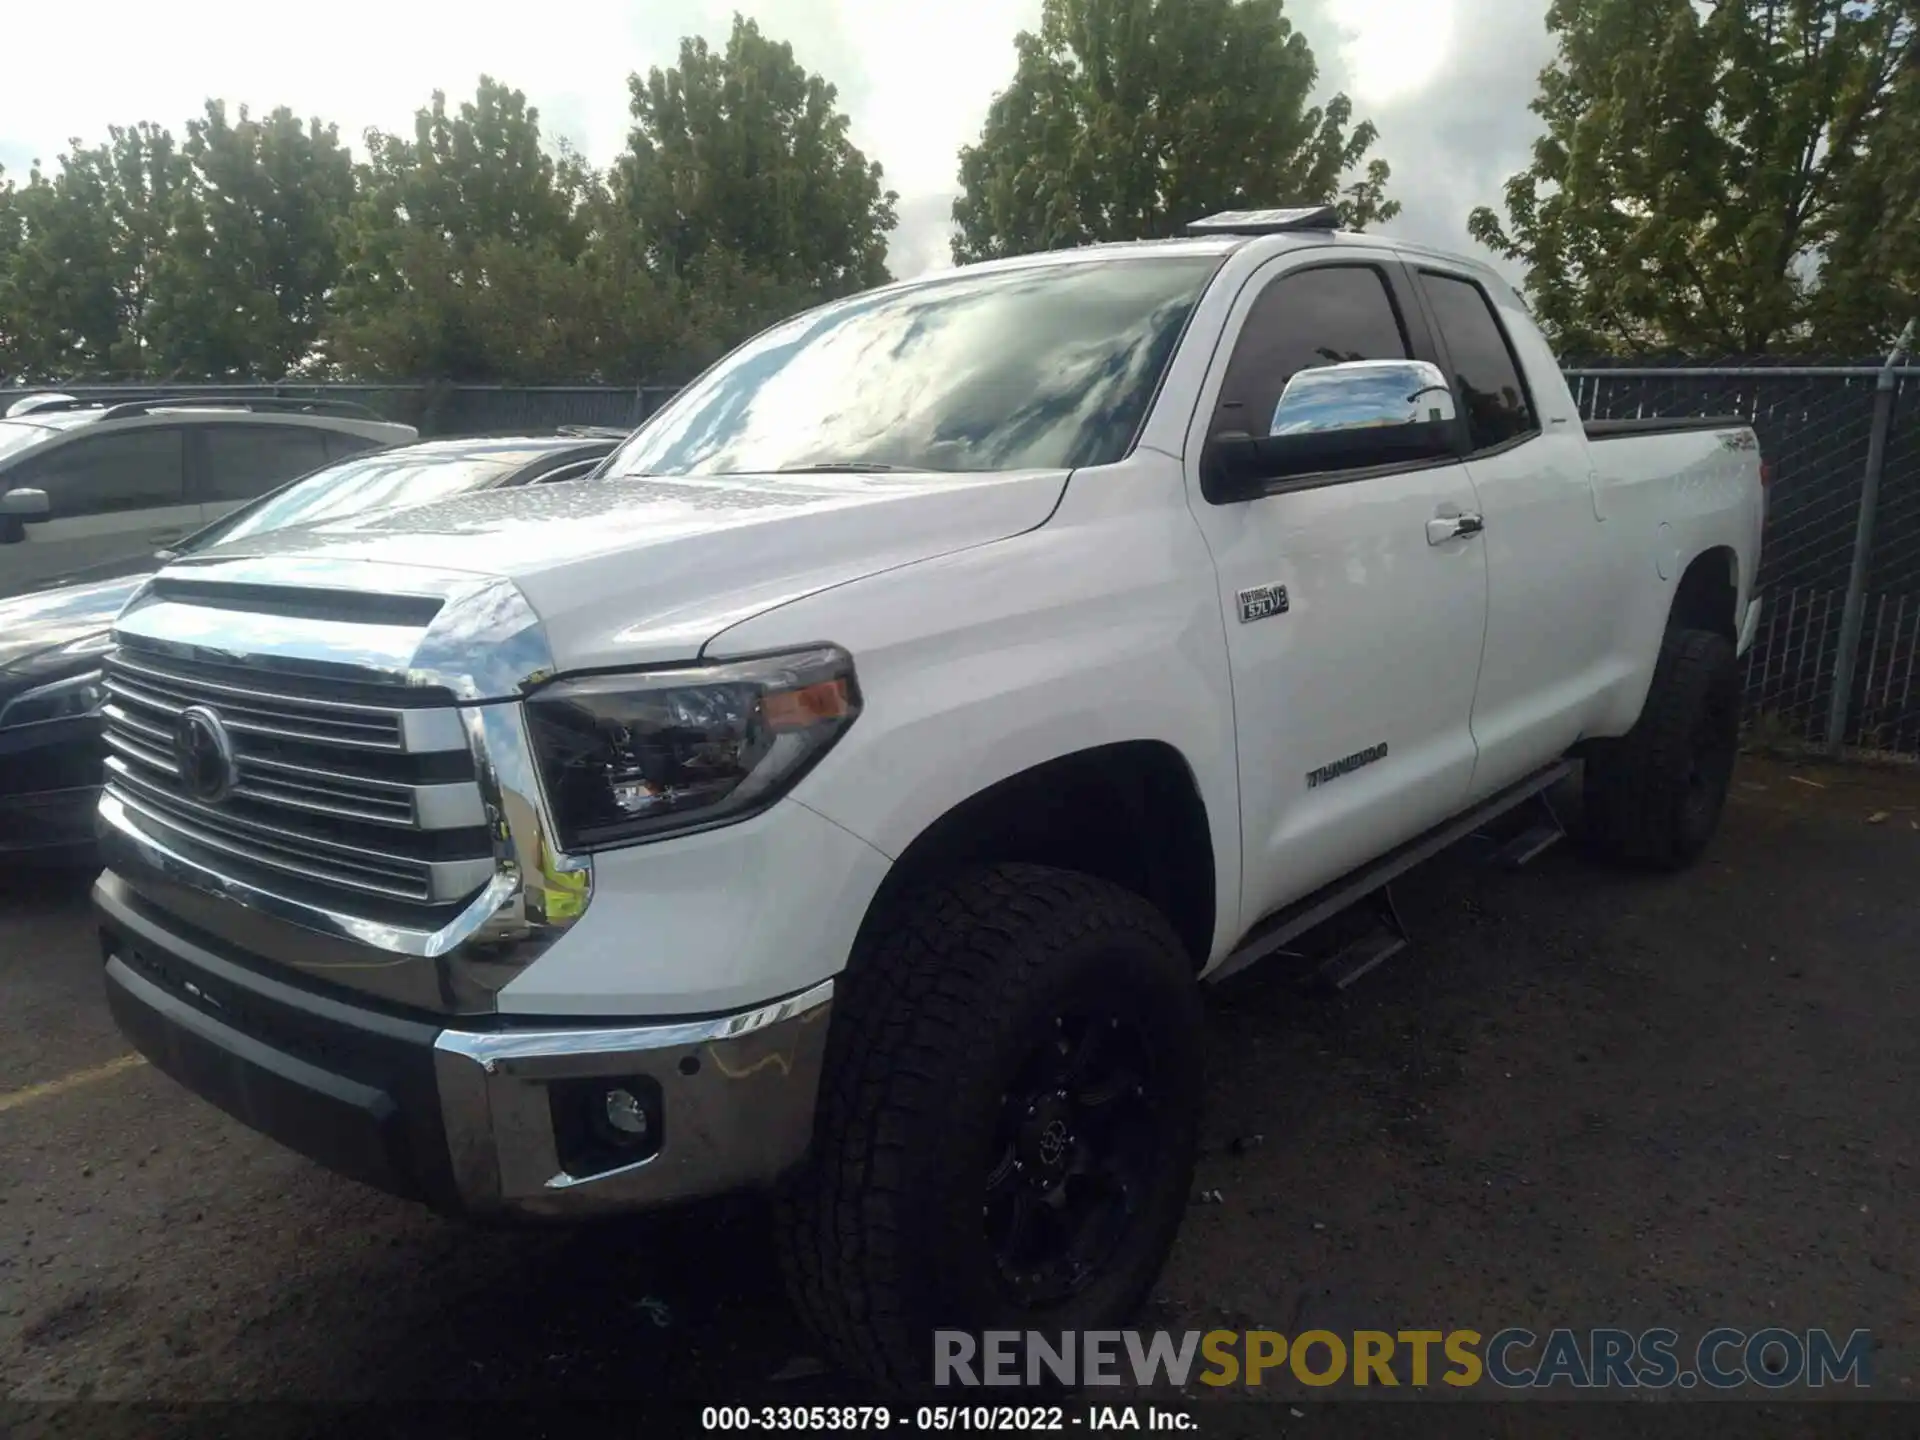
737,1091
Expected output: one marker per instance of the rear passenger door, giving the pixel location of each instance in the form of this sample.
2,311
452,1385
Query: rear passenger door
238,460
111,496
1352,694
1548,588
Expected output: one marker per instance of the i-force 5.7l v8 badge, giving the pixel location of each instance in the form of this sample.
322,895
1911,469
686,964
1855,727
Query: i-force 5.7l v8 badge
1262,601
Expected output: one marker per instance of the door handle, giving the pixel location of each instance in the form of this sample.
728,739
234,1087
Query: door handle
1452,527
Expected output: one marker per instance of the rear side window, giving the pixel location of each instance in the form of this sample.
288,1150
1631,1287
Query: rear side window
1485,372
99,474
248,460
1301,321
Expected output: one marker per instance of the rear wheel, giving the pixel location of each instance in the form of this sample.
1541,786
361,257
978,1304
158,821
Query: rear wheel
1654,796
1007,1124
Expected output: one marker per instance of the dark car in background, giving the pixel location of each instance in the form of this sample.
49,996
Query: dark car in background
51,750
85,484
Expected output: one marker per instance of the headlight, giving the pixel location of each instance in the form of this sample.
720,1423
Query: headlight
67,699
655,753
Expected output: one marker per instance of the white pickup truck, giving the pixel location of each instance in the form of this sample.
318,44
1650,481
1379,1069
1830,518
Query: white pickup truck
844,791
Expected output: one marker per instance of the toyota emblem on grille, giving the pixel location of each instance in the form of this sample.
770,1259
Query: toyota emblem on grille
204,754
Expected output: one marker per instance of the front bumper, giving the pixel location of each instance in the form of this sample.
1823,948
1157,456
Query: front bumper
479,1121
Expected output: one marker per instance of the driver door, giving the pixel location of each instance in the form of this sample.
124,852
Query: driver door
1354,627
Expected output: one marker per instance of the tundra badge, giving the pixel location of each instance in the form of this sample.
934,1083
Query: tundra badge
1345,765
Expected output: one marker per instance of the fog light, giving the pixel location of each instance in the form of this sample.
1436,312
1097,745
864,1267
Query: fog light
606,1122
626,1114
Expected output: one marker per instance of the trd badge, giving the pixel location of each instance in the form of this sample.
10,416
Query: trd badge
1262,601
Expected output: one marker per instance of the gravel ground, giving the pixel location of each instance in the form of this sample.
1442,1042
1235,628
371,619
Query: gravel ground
1577,1099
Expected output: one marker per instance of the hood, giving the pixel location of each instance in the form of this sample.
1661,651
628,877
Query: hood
646,570
34,625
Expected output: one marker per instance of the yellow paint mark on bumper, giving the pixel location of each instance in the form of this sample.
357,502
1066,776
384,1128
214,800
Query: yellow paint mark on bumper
65,1083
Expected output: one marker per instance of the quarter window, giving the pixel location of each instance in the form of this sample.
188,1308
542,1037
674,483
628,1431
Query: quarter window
1307,319
1485,372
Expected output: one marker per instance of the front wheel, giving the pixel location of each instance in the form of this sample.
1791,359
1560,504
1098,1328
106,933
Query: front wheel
1654,796
1007,1123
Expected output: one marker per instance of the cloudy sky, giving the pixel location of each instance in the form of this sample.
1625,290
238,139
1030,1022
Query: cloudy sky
1447,81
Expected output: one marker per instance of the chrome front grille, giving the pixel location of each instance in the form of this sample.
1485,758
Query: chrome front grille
361,806
345,793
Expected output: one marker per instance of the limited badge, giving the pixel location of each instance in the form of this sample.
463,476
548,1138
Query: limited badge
1262,601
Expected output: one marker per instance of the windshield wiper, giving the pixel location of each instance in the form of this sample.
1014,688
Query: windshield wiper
829,467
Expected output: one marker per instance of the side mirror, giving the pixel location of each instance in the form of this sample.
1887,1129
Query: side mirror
25,506
1349,416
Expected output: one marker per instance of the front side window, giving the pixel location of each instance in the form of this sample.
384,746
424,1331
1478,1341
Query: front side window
1484,368
245,460
1303,320
1044,366
141,469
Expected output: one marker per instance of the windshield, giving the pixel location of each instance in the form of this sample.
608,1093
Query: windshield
1042,367
370,482
16,436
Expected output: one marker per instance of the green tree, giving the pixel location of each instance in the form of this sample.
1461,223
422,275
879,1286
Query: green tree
461,253
643,325
61,313
76,292
1712,177
1127,119
241,287
1870,268
11,224
740,162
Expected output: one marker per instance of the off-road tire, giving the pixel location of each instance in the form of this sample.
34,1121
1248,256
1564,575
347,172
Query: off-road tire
882,1235
1653,797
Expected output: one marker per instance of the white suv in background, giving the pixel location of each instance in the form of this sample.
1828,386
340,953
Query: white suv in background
86,484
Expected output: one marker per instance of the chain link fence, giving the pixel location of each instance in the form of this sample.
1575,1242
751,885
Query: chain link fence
1816,427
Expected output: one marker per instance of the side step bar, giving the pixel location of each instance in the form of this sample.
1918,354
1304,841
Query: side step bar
1295,920
1385,939
1527,845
